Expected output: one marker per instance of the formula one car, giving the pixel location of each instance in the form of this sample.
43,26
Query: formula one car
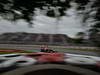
26,63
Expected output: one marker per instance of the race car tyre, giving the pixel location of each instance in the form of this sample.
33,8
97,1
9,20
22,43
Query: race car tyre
80,61
18,61
24,61
51,69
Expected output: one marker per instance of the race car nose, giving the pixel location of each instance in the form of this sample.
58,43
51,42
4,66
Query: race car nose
50,59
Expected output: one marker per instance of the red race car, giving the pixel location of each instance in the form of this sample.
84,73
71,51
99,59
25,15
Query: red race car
35,59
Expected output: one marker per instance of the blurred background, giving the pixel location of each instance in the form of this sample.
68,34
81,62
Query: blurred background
70,23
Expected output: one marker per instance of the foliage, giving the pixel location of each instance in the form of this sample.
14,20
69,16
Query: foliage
24,9
14,10
80,35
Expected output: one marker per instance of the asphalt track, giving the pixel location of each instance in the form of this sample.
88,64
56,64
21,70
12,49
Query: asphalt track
80,52
36,49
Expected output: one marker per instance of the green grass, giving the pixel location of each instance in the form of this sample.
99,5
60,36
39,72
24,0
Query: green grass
79,49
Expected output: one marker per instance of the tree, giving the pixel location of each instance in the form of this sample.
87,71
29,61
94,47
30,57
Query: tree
24,9
14,10
79,38
90,9
95,36
80,35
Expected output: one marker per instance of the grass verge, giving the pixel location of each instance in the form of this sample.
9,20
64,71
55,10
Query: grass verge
79,49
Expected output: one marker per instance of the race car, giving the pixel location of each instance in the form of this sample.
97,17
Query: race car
19,60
